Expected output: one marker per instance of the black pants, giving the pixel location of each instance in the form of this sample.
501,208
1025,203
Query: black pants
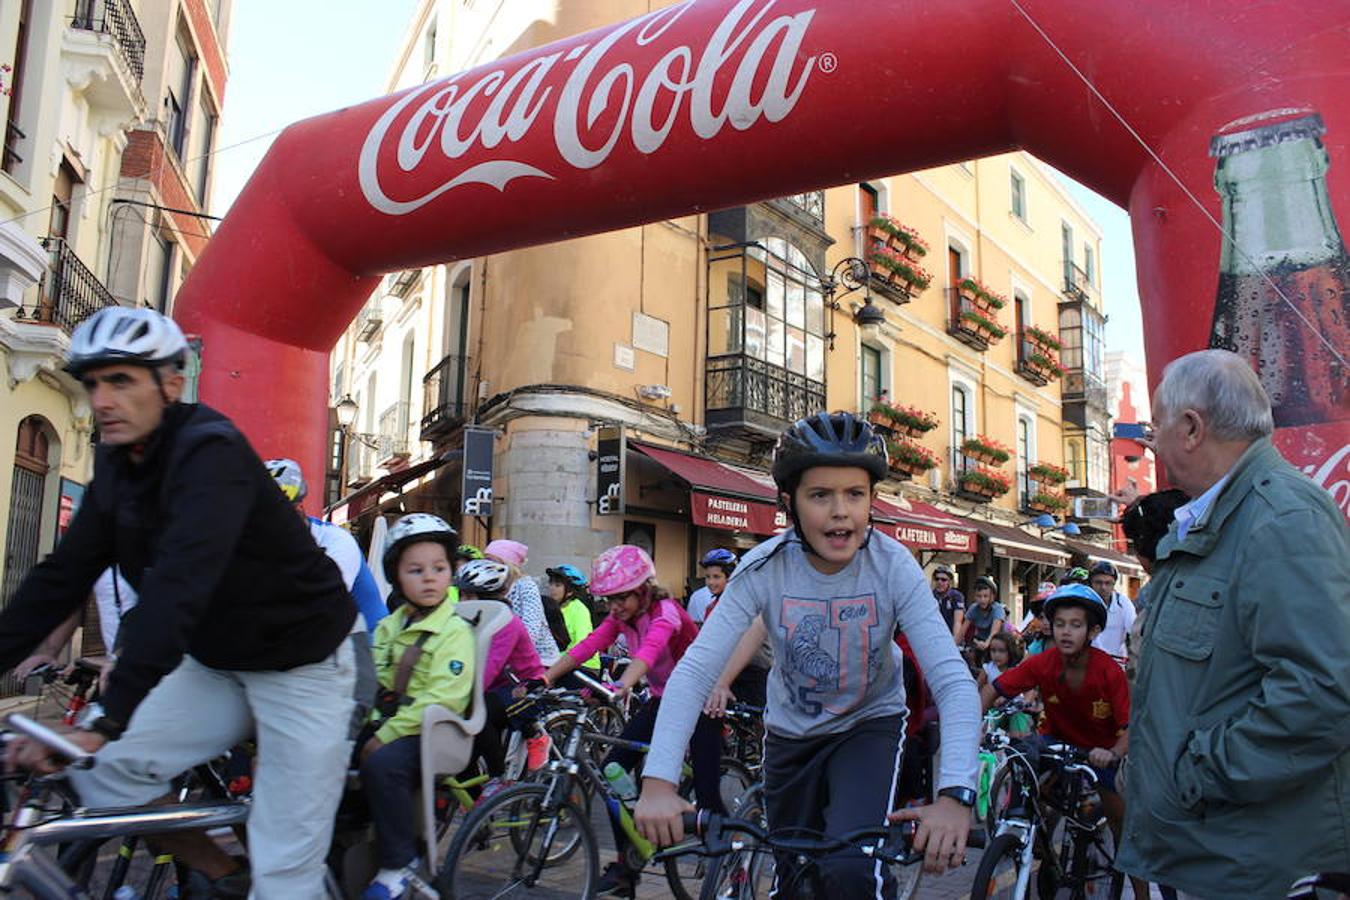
389,777
834,784
752,686
705,750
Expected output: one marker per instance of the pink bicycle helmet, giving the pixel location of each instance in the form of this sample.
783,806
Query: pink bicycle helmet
620,569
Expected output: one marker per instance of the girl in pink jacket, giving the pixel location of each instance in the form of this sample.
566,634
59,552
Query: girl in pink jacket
657,630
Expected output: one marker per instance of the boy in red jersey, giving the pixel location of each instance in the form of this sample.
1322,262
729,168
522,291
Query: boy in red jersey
1084,691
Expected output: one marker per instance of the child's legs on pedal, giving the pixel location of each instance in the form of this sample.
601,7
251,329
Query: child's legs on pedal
639,728
705,748
389,777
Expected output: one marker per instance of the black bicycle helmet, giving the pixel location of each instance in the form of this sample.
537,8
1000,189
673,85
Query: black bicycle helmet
1102,567
827,439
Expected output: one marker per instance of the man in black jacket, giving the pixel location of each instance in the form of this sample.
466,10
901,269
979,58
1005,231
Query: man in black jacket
242,619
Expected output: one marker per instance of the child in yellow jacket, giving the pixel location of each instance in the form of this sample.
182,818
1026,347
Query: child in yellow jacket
424,654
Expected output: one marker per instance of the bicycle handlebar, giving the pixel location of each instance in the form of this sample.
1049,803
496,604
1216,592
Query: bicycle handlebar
892,842
76,757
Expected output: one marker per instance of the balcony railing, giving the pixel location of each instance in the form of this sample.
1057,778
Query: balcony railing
11,157
961,329
736,385
1077,284
114,18
393,435
1025,368
443,397
370,319
810,204
69,294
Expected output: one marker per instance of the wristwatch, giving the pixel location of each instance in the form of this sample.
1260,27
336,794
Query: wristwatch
963,795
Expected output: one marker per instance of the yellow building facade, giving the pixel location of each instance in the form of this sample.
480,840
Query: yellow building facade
109,112
701,338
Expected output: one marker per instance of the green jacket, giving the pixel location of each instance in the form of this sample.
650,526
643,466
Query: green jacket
444,673
577,615
1238,776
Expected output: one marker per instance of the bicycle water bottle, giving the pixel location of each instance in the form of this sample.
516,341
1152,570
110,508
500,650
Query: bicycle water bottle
621,781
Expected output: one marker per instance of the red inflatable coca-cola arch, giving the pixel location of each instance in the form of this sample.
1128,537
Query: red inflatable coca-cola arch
715,103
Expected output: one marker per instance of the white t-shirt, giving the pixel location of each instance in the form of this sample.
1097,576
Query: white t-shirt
698,604
338,544
1119,620
109,601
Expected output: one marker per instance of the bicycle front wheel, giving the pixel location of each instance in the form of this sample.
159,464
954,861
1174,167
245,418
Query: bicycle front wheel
741,874
997,875
505,846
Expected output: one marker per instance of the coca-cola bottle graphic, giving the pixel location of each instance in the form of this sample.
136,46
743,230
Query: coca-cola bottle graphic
1271,175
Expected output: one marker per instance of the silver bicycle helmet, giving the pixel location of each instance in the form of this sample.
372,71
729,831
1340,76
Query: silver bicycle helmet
122,335
483,576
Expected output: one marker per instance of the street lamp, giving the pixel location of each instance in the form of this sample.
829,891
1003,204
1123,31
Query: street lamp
346,410
852,273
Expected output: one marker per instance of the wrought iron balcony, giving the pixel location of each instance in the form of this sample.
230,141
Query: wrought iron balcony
743,392
392,439
443,404
970,331
69,293
1077,284
116,19
360,463
1027,369
370,319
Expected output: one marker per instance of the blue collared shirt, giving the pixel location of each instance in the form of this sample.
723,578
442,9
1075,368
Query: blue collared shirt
1187,515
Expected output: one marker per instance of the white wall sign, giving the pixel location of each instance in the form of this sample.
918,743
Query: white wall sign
651,334
624,358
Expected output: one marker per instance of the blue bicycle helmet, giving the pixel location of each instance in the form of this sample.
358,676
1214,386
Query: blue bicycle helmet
569,575
718,557
1079,595
828,439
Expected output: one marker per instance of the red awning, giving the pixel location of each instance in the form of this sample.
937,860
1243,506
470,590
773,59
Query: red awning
921,526
721,495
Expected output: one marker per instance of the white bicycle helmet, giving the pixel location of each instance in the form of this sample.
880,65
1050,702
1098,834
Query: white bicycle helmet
483,576
411,529
125,335
289,477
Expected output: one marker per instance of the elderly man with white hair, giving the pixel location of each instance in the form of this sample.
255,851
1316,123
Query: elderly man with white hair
1238,780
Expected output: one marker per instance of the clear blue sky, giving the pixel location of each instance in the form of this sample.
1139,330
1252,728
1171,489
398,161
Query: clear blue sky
298,58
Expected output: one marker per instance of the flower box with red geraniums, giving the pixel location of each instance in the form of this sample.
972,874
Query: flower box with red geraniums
1045,363
1042,337
986,450
897,232
1048,473
977,322
892,265
1042,501
975,290
985,482
913,421
909,457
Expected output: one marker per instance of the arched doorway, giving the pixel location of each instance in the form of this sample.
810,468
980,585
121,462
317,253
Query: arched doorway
37,455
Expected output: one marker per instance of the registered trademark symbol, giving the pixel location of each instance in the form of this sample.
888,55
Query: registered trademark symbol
828,62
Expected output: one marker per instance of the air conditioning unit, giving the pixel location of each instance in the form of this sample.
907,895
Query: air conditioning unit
1094,508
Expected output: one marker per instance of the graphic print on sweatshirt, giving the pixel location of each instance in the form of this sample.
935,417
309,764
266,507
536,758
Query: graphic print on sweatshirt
830,661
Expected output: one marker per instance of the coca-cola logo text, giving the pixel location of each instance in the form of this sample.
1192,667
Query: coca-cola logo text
451,115
1333,474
